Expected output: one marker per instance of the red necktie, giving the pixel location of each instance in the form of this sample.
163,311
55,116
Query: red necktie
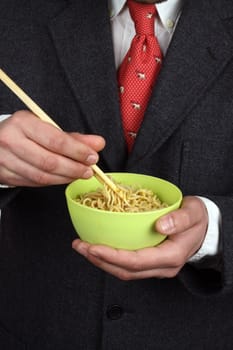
139,69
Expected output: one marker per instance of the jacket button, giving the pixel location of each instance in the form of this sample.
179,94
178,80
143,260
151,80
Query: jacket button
114,312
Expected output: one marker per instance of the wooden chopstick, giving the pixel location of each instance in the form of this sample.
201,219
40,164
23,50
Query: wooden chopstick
99,174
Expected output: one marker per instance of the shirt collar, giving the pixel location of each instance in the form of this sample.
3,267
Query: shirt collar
115,6
168,10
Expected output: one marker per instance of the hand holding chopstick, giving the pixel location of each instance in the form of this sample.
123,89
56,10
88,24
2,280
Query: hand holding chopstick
100,175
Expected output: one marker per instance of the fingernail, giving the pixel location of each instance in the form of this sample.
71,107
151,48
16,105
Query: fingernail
92,159
167,224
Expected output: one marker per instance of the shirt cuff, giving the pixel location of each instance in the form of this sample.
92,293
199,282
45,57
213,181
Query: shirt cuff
211,245
4,116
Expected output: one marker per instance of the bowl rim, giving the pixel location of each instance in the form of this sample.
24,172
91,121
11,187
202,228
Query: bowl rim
107,212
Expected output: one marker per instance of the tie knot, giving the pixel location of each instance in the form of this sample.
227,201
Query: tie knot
143,16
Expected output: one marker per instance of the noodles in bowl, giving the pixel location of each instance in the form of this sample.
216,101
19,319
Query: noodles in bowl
125,229
130,199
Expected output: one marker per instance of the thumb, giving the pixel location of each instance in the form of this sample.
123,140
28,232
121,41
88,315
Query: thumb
166,224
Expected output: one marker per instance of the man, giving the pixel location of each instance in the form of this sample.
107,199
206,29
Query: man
65,56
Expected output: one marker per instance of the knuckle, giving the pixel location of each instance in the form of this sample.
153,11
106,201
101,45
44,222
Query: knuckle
48,163
18,118
124,276
4,139
56,143
177,258
41,178
136,266
2,161
171,273
186,218
6,176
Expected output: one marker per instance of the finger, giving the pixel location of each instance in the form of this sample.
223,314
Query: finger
166,255
51,163
94,141
24,147
127,275
122,271
62,143
20,173
10,178
27,125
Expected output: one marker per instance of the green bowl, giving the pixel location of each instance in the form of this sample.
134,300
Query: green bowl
121,230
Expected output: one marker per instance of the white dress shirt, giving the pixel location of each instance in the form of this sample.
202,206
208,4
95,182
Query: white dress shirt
122,33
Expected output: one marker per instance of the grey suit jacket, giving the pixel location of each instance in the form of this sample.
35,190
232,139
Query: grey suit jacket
60,52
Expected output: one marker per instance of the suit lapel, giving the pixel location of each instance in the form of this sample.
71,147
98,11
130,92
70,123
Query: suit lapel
85,51
189,68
